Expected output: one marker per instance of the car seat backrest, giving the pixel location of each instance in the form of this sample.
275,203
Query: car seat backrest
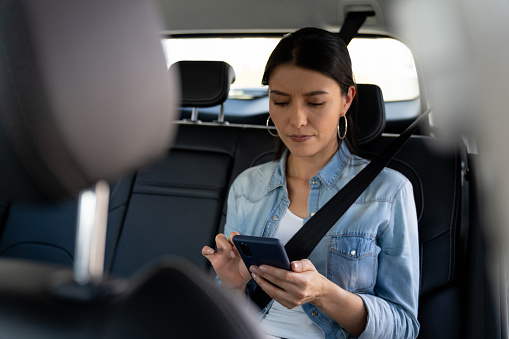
175,207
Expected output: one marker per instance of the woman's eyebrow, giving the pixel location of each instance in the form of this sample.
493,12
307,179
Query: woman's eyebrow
309,94
275,91
313,93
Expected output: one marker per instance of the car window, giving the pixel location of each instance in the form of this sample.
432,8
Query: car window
385,62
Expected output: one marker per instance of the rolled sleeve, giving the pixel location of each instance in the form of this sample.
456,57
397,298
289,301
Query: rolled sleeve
387,320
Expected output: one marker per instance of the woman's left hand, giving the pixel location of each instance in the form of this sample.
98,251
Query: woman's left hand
293,288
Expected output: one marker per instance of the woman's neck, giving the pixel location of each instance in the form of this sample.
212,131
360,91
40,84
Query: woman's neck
305,168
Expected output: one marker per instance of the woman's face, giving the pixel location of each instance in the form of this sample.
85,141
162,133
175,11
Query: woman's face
306,106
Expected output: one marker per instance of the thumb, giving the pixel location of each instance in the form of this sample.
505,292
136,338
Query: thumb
207,252
302,265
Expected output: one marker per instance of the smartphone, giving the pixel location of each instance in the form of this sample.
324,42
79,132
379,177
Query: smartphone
261,251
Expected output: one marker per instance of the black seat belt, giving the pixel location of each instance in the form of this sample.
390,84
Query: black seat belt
352,23
305,240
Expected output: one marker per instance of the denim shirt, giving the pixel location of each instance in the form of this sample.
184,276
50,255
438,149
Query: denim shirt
372,251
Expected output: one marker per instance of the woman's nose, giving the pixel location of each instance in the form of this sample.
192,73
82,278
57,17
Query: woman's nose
298,117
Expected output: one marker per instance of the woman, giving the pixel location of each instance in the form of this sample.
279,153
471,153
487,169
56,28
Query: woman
362,279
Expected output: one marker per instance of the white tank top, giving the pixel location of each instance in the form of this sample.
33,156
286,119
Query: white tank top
280,321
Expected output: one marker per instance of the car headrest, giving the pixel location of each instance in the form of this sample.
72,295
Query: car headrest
84,94
370,116
204,83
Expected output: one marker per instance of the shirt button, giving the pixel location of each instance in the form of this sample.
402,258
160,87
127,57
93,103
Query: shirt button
315,182
313,213
274,218
314,313
353,252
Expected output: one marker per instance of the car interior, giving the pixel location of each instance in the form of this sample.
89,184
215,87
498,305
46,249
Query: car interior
79,91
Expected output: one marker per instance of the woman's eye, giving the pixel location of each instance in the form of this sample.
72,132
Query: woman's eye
316,104
280,103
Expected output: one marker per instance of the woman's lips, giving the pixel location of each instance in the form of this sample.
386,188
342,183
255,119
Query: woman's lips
299,138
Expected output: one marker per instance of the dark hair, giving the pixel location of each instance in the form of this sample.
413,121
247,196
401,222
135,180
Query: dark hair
317,50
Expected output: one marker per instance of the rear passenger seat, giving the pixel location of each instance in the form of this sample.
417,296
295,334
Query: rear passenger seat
178,206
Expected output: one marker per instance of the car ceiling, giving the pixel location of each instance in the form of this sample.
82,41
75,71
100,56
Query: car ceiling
226,16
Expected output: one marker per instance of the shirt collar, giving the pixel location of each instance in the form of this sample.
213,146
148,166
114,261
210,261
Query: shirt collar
329,174
278,176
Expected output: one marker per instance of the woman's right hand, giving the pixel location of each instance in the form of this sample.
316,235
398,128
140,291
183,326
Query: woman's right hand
227,262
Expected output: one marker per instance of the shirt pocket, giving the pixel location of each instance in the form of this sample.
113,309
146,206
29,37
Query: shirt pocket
352,262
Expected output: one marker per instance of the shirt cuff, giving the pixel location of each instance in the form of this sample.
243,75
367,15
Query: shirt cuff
386,320
373,324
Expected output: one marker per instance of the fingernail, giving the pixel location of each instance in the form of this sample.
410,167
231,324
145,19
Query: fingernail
263,268
209,251
254,276
297,265
254,269
232,254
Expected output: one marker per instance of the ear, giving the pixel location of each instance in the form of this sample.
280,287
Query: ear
347,101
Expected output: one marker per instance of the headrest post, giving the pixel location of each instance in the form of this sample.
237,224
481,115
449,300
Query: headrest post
194,114
91,234
220,118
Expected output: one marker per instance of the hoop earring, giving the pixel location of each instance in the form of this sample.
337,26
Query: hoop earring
268,128
346,128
